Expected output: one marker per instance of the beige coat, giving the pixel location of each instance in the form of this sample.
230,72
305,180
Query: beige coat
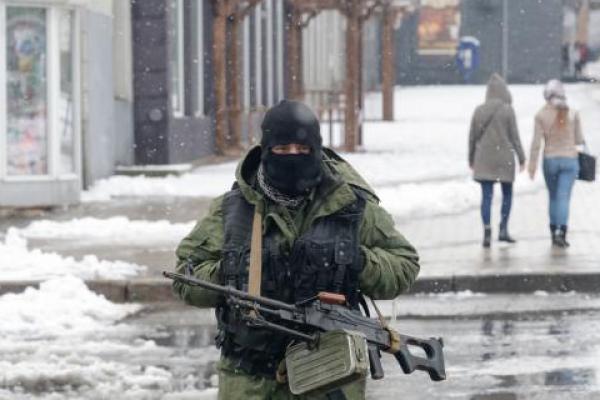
559,141
494,140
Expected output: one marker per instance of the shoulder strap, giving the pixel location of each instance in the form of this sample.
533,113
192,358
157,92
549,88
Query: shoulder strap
255,271
242,220
488,123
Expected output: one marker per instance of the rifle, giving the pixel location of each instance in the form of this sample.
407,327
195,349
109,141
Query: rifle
325,313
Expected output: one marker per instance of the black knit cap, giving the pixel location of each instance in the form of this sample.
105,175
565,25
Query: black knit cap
291,122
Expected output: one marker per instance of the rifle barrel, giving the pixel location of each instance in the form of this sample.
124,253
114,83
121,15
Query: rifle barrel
228,290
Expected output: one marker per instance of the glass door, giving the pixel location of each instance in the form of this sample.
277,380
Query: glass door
38,79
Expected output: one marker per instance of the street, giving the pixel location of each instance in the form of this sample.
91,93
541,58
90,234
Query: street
497,347
438,156
539,345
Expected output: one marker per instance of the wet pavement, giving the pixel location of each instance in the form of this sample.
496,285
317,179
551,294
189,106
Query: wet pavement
497,347
451,244
503,347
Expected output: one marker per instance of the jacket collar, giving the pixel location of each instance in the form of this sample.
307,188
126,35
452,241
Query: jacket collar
330,196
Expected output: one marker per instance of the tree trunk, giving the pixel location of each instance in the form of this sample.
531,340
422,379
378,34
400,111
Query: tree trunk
219,65
388,73
352,75
233,66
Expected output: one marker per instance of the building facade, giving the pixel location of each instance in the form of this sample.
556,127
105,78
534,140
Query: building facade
78,103
519,39
174,105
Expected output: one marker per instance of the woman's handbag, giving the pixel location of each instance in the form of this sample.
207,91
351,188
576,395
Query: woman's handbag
587,166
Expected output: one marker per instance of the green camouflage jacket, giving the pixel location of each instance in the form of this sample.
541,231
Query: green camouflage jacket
391,262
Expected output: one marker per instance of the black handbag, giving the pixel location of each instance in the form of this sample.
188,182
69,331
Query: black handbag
587,167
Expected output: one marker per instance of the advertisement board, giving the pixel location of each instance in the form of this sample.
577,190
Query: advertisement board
439,25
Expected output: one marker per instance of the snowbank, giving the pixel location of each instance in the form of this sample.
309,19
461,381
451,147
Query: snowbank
59,307
115,229
17,262
62,341
208,181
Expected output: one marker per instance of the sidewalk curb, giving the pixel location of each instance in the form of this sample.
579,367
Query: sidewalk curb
159,290
510,283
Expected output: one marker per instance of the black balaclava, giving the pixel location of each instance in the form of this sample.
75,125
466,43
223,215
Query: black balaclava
285,123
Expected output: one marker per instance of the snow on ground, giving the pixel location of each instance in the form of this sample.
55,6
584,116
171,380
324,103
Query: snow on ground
417,164
209,181
56,348
59,348
592,69
17,262
115,229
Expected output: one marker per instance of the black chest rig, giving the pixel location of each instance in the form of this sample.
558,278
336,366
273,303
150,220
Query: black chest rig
325,258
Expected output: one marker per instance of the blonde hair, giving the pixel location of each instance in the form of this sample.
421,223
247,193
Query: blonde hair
562,116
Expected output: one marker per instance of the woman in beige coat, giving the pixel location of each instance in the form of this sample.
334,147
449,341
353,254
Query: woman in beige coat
558,127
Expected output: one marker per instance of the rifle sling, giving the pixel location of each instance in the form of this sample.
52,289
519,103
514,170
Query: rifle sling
255,271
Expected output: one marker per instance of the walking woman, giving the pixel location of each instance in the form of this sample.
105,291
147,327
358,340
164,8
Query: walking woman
560,130
493,143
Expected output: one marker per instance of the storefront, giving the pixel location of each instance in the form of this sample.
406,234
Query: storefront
39,104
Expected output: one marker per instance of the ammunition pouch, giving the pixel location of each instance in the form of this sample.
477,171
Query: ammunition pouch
340,357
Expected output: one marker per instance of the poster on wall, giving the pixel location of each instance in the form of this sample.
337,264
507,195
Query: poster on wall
439,25
26,88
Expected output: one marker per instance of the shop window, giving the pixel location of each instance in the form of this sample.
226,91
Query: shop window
27,89
38,105
186,57
196,89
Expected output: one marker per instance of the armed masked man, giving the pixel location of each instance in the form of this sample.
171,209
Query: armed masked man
322,230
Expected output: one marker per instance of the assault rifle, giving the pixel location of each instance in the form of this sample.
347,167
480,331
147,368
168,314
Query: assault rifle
324,313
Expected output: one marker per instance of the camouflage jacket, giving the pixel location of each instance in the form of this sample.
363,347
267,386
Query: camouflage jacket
391,262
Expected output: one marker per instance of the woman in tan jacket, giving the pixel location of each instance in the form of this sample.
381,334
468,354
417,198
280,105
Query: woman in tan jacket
559,128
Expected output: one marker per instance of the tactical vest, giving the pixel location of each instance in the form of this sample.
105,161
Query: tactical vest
325,258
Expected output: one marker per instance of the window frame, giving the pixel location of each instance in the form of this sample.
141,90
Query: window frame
198,90
177,32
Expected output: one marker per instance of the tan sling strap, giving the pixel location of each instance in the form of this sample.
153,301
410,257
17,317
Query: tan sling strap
255,272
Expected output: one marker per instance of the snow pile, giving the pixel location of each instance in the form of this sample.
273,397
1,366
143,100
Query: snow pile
63,341
61,306
17,262
592,69
209,181
114,229
447,197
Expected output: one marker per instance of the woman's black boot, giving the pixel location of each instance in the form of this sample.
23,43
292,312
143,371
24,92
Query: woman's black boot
503,235
559,239
563,229
553,232
487,236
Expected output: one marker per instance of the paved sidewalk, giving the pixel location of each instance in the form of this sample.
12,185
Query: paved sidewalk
450,247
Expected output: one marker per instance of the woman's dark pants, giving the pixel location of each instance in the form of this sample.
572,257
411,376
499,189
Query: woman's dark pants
487,191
